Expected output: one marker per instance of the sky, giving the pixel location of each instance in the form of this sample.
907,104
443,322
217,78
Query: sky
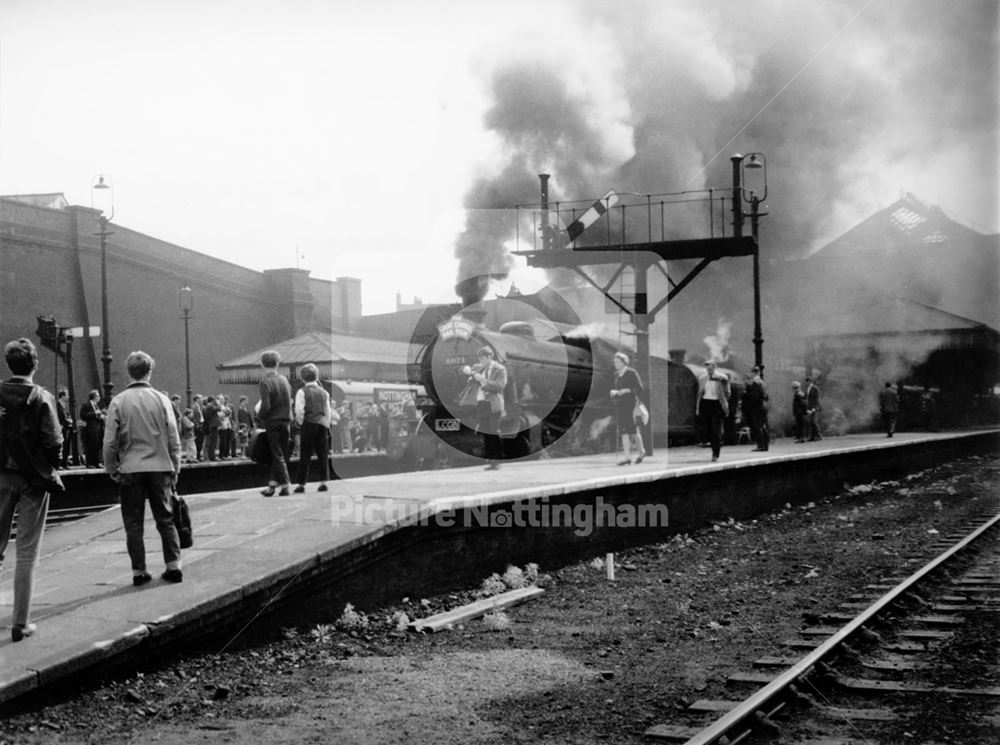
371,139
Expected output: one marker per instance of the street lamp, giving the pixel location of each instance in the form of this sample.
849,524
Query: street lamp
185,299
741,163
103,194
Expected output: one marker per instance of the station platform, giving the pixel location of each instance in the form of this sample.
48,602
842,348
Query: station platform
251,552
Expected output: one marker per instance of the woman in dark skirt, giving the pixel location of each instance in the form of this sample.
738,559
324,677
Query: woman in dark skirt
627,387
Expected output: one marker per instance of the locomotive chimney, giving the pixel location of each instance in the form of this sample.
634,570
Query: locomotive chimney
677,355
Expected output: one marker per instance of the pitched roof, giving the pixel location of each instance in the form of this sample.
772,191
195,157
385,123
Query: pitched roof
54,200
906,222
320,347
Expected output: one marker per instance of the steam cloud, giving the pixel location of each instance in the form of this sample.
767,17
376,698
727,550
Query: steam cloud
646,96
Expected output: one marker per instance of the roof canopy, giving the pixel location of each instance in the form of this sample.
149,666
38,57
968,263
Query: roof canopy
325,350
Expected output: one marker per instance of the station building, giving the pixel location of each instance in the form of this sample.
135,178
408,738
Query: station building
50,265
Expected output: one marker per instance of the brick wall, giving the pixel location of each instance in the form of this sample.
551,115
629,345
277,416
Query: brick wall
50,264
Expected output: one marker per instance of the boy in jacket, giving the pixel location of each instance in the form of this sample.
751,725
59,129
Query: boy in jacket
30,446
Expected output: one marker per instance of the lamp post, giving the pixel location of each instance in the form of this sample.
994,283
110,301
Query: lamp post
99,186
186,300
742,163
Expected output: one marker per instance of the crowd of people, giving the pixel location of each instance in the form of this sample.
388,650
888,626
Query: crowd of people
214,428
143,436
141,439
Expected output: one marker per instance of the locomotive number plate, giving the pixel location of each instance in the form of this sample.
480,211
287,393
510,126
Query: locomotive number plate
446,425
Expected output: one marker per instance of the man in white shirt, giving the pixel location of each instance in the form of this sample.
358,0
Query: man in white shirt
312,414
713,404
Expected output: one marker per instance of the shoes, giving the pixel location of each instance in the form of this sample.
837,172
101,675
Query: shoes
625,462
322,487
800,441
299,489
639,459
22,631
492,467
268,492
140,579
757,450
283,491
715,458
173,575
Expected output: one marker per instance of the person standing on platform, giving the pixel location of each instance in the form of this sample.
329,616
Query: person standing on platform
799,411
927,409
30,440
813,408
713,404
888,405
312,414
245,425
210,422
93,423
627,387
225,428
189,452
756,410
275,417
487,380
198,417
342,430
67,423
142,454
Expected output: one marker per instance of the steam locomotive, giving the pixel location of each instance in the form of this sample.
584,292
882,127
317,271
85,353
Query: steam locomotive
557,397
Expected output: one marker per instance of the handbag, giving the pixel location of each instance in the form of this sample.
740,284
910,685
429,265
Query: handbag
182,520
640,413
258,449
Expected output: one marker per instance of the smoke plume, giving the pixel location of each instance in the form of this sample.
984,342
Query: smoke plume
652,97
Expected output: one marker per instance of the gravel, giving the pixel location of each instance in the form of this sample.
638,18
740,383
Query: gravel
590,661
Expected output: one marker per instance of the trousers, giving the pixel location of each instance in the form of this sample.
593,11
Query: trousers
32,505
135,490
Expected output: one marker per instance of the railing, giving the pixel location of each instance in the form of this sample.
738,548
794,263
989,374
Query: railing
632,218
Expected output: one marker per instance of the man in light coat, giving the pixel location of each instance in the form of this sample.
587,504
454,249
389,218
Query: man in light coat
142,453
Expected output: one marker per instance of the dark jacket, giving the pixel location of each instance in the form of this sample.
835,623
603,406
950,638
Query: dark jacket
888,401
755,398
798,404
812,397
30,435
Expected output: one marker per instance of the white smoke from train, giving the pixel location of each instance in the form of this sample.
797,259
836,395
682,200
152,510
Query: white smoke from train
718,343
655,96
598,427
590,331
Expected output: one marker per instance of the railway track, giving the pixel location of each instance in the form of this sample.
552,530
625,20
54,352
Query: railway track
869,669
71,514
67,515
